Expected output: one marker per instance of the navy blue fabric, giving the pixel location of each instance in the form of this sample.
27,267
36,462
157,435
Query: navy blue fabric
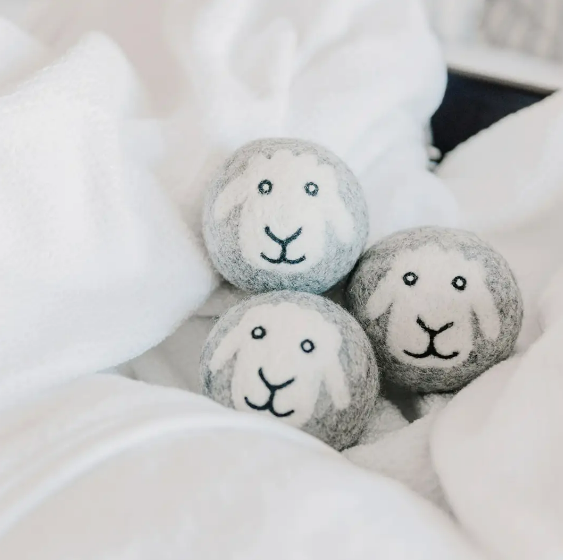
472,104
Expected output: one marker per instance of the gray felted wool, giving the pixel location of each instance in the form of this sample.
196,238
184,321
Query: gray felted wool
284,214
439,305
297,357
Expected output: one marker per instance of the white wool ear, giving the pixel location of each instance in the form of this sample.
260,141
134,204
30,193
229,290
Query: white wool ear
339,217
335,380
227,348
233,195
381,299
487,314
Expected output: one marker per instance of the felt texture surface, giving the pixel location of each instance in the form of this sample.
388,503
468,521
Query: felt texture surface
297,357
439,305
284,214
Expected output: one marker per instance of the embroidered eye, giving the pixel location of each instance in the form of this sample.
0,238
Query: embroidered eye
265,187
459,283
307,346
258,333
410,278
312,189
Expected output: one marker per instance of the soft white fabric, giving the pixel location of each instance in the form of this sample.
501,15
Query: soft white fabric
95,257
105,467
360,78
496,447
404,455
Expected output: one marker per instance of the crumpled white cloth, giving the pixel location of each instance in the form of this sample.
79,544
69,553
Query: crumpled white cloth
361,78
497,446
95,258
105,467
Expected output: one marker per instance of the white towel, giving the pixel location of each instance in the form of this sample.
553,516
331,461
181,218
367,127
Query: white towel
97,265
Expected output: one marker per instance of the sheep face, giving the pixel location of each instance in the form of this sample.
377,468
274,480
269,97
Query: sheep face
433,297
440,306
281,214
286,359
305,350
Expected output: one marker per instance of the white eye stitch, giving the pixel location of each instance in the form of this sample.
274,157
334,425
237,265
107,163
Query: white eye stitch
279,228
431,311
280,367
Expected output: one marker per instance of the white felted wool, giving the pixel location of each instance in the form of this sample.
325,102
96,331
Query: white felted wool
97,265
296,357
284,214
439,305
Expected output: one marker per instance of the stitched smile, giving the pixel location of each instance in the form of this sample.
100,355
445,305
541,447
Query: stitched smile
269,406
283,243
431,350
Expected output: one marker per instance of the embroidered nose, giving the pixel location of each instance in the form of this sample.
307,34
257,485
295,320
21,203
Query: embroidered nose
269,405
283,243
433,333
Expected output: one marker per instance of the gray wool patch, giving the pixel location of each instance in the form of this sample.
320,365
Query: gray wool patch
298,357
284,214
439,305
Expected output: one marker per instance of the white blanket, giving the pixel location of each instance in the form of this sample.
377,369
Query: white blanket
106,141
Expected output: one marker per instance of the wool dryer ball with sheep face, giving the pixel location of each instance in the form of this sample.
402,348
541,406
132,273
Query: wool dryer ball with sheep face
285,214
296,357
439,305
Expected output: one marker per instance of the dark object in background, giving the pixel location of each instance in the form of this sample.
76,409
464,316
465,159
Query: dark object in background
473,103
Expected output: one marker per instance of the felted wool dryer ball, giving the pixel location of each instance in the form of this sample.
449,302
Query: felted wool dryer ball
297,357
285,214
439,305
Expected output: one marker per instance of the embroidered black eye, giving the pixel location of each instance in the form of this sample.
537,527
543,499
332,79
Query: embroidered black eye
258,333
410,278
312,189
265,187
459,283
307,346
